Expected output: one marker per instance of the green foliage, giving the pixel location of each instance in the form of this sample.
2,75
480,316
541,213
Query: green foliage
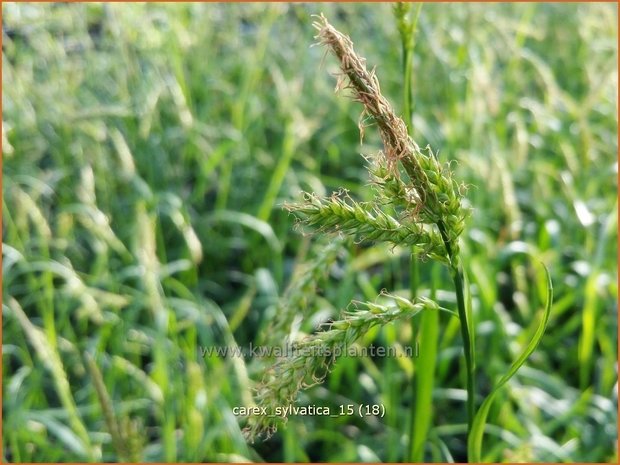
307,361
132,131
479,421
432,207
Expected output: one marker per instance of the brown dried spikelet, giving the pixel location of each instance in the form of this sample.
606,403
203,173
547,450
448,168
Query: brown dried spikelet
438,195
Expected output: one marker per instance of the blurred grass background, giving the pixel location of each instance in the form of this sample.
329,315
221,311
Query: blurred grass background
147,150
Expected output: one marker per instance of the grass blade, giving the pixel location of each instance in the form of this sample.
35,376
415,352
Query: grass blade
425,379
477,431
77,435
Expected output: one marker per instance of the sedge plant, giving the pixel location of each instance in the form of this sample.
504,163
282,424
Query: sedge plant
418,205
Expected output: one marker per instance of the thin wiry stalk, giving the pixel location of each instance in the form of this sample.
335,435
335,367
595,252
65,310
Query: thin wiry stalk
407,30
106,408
467,335
297,297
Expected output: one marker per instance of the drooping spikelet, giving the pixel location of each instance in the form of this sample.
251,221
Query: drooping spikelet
366,221
309,360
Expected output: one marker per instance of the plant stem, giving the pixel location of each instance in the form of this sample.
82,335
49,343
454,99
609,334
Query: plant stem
414,277
457,277
408,44
467,331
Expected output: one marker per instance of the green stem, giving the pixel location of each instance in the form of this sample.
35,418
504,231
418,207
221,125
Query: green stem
457,276
467,330
414,278
408,44
407,88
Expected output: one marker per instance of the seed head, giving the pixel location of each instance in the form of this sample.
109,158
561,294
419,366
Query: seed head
434,196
